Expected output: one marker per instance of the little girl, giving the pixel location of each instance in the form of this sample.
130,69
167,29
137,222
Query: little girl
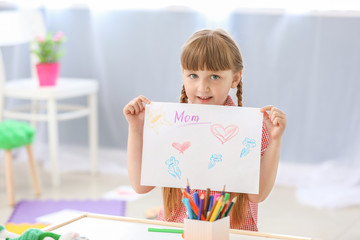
211,64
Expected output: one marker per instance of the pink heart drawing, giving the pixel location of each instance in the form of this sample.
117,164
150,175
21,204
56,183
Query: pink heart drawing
181,147
224,134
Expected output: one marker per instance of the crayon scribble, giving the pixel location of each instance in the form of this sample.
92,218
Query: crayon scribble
155,118
181,146
224,134
215,158
173,167
248,144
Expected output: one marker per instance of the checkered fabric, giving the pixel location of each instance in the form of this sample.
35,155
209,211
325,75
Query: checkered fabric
251,215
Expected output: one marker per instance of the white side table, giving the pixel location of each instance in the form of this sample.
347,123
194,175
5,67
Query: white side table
28,89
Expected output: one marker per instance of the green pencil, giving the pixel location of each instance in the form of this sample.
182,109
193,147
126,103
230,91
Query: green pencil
166,230
230,207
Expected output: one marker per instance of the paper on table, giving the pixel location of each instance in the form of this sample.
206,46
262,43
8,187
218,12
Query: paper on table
210,145
58,216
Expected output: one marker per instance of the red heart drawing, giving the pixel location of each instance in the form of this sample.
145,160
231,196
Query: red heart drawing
181,147
224,134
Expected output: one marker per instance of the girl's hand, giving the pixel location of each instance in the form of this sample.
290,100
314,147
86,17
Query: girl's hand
134,111
275,121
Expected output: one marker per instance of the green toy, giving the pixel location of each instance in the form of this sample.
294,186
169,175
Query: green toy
15,134
37,234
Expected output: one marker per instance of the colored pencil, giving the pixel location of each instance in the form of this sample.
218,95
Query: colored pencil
227,196
212,210
225,207
210,205
230,207
196,198
192,204
201,205
187,186
206,205
221,208
216,209
165,230
223,191
188,208
216,196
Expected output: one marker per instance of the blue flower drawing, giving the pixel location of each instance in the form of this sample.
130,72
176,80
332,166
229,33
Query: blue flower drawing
173,167
248,144
214,159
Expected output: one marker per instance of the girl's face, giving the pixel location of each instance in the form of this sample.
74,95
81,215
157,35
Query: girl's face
209,87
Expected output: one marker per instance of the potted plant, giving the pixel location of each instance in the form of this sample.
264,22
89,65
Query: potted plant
48,51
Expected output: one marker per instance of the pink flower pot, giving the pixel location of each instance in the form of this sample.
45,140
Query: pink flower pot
47,73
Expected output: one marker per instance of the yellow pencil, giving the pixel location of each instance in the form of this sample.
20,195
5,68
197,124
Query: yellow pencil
212,210
216,210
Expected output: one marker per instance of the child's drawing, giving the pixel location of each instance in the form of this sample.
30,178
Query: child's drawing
173,167
215,158
155,118
181,147
248,143
224,134
202,143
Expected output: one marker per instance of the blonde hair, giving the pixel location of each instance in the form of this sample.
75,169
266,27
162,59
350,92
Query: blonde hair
213,50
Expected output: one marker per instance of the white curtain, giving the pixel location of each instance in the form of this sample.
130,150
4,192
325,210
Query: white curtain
307,65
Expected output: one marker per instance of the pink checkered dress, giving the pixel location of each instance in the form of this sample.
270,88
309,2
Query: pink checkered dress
251,215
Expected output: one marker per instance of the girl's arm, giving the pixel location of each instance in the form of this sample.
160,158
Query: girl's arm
275,122
134,112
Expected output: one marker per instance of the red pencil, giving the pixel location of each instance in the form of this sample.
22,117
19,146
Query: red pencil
222,213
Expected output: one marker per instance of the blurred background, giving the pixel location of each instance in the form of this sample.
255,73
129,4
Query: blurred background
300,56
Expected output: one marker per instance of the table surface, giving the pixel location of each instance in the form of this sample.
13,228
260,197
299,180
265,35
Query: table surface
66,87
99,227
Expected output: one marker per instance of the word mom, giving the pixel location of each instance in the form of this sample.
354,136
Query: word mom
185,118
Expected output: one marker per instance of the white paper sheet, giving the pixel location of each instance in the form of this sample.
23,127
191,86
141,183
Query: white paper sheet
212,146
58,216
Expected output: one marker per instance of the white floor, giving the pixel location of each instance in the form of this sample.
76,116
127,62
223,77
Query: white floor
281,213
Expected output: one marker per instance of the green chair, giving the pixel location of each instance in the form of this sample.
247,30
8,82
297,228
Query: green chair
15,134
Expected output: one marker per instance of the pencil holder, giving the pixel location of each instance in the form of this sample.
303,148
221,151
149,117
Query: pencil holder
205,230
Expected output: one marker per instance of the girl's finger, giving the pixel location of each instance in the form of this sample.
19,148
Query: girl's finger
130,109
276,121
273,115
281,122
139,103
266,115
283,116
135,106
281,113
266,108
144,99
274,110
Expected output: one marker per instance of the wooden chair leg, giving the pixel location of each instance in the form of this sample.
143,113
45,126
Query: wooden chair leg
34,174
9,178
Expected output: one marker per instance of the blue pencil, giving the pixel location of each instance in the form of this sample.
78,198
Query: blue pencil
210,204
188,207
187,186
196,198
201,206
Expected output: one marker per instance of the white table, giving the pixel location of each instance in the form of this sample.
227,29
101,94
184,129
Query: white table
28,89
99,227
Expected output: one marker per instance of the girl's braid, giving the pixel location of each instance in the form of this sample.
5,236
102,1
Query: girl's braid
239,93
183,97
